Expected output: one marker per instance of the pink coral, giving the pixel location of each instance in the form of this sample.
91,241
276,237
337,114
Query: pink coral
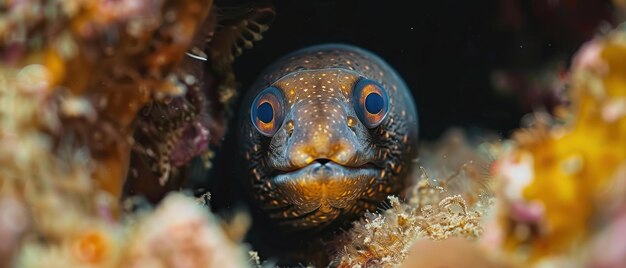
180,233
14,221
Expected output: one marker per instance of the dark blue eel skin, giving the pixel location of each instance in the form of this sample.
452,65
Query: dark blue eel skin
326,134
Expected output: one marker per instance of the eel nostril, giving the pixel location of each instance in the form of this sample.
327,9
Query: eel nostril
289,127
322,161
351,122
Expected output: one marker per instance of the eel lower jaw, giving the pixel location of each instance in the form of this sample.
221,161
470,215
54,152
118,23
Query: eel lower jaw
325,187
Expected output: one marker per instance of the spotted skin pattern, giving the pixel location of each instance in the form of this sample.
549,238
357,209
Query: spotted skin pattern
323,165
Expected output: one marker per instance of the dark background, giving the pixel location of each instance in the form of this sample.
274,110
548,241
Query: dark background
445,50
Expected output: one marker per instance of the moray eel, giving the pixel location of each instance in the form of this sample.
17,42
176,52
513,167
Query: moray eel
327,133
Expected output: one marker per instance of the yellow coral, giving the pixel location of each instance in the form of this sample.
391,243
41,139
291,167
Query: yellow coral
572,165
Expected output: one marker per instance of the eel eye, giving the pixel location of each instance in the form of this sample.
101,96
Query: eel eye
267,111
371,102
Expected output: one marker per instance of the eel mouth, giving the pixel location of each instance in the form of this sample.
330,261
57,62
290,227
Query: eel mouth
323,186
322,163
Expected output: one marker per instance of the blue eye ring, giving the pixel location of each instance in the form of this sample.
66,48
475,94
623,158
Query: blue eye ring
371,102
266,112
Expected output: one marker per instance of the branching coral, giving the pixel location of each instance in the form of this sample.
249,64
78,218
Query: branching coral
435,209
384,240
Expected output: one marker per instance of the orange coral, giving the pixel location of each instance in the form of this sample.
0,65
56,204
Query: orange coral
91,246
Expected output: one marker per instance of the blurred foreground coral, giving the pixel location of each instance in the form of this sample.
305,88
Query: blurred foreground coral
562,184
73,76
